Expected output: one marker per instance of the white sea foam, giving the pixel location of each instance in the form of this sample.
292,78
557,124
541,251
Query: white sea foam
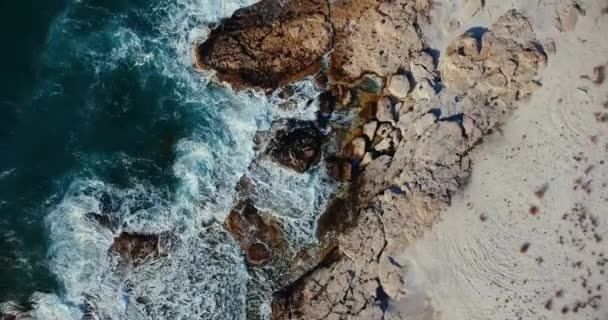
295,199
7,173
203,276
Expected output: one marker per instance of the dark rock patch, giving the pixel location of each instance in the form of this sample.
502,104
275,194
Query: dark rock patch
295,144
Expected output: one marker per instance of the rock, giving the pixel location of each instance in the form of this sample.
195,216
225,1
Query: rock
369,129
385,111
373,180
269,43
395,137
347,171
399,86
258,235
136,248
383,145
258,254
295,144
373,36
366,159
422,66
336,219
13,311
399,197
321,81
358,148
103,220
339,168
245,187
274,42
549,45
501,65
424,90
421,125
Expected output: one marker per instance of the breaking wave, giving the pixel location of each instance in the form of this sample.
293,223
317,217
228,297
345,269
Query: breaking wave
116,48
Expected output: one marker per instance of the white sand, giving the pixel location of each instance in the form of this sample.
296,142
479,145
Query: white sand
474,269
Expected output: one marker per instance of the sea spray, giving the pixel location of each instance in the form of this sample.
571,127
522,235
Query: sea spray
203,275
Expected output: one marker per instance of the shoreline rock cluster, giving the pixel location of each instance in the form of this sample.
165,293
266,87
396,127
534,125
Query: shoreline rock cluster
275,42
408,151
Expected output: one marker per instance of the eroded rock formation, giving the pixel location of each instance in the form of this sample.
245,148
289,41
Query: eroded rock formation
274,42
375,36
406,154
269,43
400,195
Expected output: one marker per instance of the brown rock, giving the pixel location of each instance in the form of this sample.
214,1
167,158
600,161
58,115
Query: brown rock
336,219
347,171
136,248
258,235
269,43
258,253
274,42
374,36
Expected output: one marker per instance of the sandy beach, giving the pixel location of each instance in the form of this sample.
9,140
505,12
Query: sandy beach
526,239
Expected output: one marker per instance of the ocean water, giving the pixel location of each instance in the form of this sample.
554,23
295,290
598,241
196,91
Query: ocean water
101,111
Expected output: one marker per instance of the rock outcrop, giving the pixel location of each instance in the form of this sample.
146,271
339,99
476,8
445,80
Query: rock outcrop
377,37
406,154
401,193
270,43
275,42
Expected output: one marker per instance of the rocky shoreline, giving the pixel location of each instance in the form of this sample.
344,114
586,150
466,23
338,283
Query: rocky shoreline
419,115
401,159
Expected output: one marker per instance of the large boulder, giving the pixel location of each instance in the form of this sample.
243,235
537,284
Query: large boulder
269,43
274,42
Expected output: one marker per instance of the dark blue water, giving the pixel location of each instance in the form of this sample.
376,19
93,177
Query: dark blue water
102,112
25,180
87,91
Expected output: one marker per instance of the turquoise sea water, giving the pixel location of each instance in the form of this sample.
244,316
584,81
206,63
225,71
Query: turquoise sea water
101,111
